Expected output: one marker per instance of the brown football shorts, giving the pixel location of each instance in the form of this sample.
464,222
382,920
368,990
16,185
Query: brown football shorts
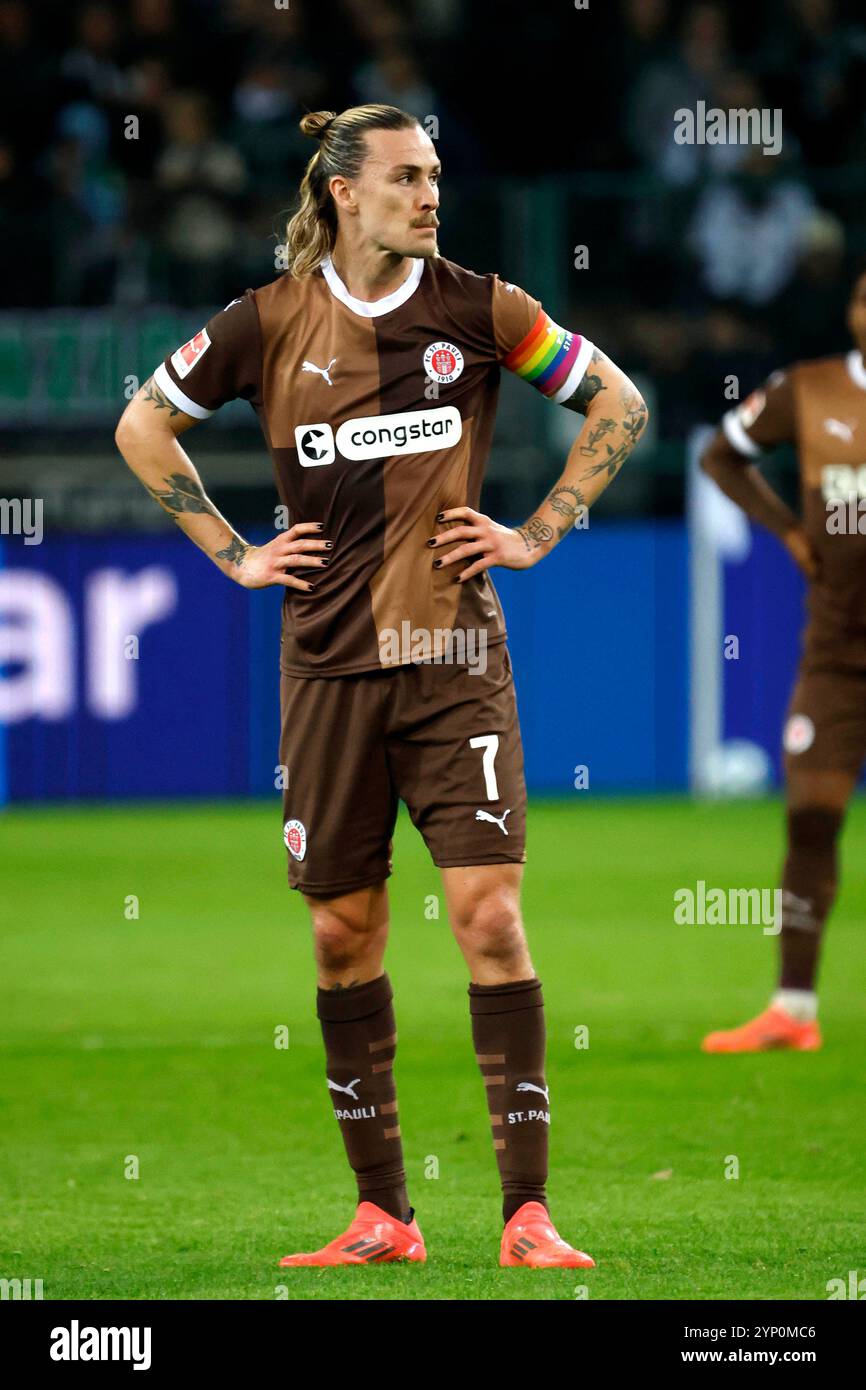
439,737
825,728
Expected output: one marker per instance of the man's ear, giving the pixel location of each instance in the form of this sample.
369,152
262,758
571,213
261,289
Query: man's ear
343,194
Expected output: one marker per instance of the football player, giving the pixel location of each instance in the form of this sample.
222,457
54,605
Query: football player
373,365
819,407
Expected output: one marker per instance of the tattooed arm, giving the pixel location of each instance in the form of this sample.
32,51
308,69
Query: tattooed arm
615,417
147,437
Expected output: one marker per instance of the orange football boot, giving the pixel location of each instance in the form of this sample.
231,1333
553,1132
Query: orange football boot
531,1239
373,1238
774,1028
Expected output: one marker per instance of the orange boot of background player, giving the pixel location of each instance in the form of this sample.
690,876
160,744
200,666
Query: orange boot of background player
774,1028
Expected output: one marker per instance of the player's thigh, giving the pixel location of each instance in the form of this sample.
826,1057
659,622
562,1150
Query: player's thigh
339,805
824,739
456,759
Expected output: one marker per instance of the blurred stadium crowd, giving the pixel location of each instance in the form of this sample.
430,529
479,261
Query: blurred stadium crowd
703,259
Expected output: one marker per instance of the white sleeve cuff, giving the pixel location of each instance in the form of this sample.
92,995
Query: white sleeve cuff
575,376
737,437
177,397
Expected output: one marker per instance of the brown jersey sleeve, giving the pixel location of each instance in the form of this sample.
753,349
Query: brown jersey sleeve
514,314
222,362
765,419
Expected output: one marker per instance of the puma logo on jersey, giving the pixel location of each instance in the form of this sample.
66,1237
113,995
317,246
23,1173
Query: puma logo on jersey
840,429
324,372
344,1090
531,1086
497,820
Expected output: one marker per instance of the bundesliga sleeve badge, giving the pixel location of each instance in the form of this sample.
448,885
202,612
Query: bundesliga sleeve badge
186,357
443,362
751,408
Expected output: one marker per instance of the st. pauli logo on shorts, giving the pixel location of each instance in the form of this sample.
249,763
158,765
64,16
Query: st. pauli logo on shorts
443,362
799,734
295,837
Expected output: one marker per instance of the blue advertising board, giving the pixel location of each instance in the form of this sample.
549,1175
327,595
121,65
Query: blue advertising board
131,667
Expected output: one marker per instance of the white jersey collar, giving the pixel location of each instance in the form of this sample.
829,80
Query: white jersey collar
856,369
372,309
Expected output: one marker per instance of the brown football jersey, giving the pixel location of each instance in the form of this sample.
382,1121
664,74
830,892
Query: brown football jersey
378,416
820,408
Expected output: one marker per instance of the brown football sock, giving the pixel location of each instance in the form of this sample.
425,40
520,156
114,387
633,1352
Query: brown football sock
508,1033
360,1036
808,892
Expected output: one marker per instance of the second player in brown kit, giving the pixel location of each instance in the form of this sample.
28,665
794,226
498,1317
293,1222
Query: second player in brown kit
820,408
373,365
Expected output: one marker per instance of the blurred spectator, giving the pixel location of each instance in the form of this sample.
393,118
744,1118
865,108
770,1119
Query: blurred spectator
200,178
695,71
809,319
86,206
25,252
748,232
185,210
92,64
28,95
817,59
392,76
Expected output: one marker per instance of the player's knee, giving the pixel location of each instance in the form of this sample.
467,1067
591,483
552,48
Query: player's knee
345,931
813,828
490,922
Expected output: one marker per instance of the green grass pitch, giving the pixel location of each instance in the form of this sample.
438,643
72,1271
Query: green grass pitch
154,1039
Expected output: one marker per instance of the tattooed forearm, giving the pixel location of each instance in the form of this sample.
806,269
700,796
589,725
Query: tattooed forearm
152,393
570,503
235,553
630,427
535,533
589,387
613,425
596,434
611,465
635,416
183,494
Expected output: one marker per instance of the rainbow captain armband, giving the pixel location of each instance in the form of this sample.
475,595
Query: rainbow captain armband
551,358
